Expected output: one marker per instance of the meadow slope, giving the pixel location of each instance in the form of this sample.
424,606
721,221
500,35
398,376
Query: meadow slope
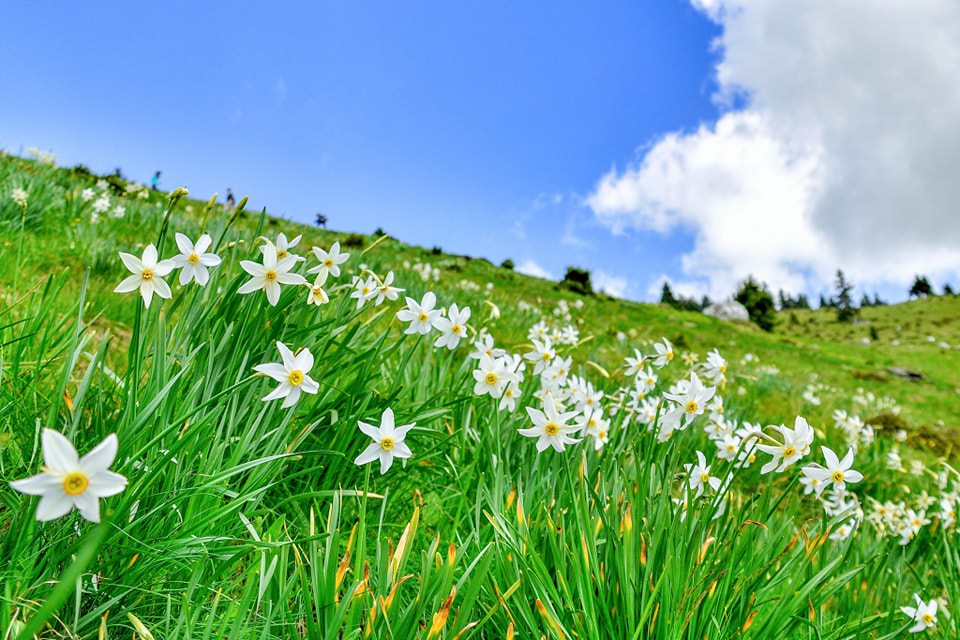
246,519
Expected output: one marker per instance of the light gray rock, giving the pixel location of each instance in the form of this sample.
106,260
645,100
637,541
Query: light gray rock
728,310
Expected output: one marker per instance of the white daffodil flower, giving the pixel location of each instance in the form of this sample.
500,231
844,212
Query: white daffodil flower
147,275
194,260
330,261
386,290
452,328
664,353
837,473
316,294
271,274
492,376
69,481
291,373
421,315
387,442
924,615
550,426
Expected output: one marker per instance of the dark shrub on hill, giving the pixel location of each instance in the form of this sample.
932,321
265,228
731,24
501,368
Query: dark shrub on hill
758,302
578,281
507,264
354,240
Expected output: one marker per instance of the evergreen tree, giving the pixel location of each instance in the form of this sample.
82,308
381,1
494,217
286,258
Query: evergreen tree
758,302
845,309
921,287
667,297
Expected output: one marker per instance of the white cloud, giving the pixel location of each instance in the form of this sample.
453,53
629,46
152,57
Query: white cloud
610,284
844,154
531,268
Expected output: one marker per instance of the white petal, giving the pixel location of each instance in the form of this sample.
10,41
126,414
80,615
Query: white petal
386,460
106,483
183,243
130,283
88,505
53,505
291,398
273,293
371,453
304,361
132,262
150,256
289,360
250,286
273,369
37,485
58,452
203,243
369,430
101,456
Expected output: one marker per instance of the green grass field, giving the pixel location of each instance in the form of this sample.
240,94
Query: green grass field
242,518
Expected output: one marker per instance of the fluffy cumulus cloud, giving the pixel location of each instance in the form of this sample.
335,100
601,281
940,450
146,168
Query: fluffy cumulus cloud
610,284
532,268
842,151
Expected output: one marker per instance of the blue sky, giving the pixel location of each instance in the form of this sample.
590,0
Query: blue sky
642,140
473,126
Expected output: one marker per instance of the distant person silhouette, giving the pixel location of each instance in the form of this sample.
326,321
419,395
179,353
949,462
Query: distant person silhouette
321,220
231,202
155,181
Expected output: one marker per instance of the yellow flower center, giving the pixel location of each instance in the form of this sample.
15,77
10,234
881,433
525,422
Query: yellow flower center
75,483
692,406
789,452
669,355
723,368
281,254
328,263
193,258
387,443
317,291
551,429
456,329
490,378
296,377
423,316
927,618
546,355
602,435
270,276
147,274
365,291
704,477
837,476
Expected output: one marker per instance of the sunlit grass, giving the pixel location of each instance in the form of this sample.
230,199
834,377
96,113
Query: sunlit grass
243,519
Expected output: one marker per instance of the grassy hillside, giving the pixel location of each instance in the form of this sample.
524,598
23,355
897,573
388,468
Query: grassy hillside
807,348
243,518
